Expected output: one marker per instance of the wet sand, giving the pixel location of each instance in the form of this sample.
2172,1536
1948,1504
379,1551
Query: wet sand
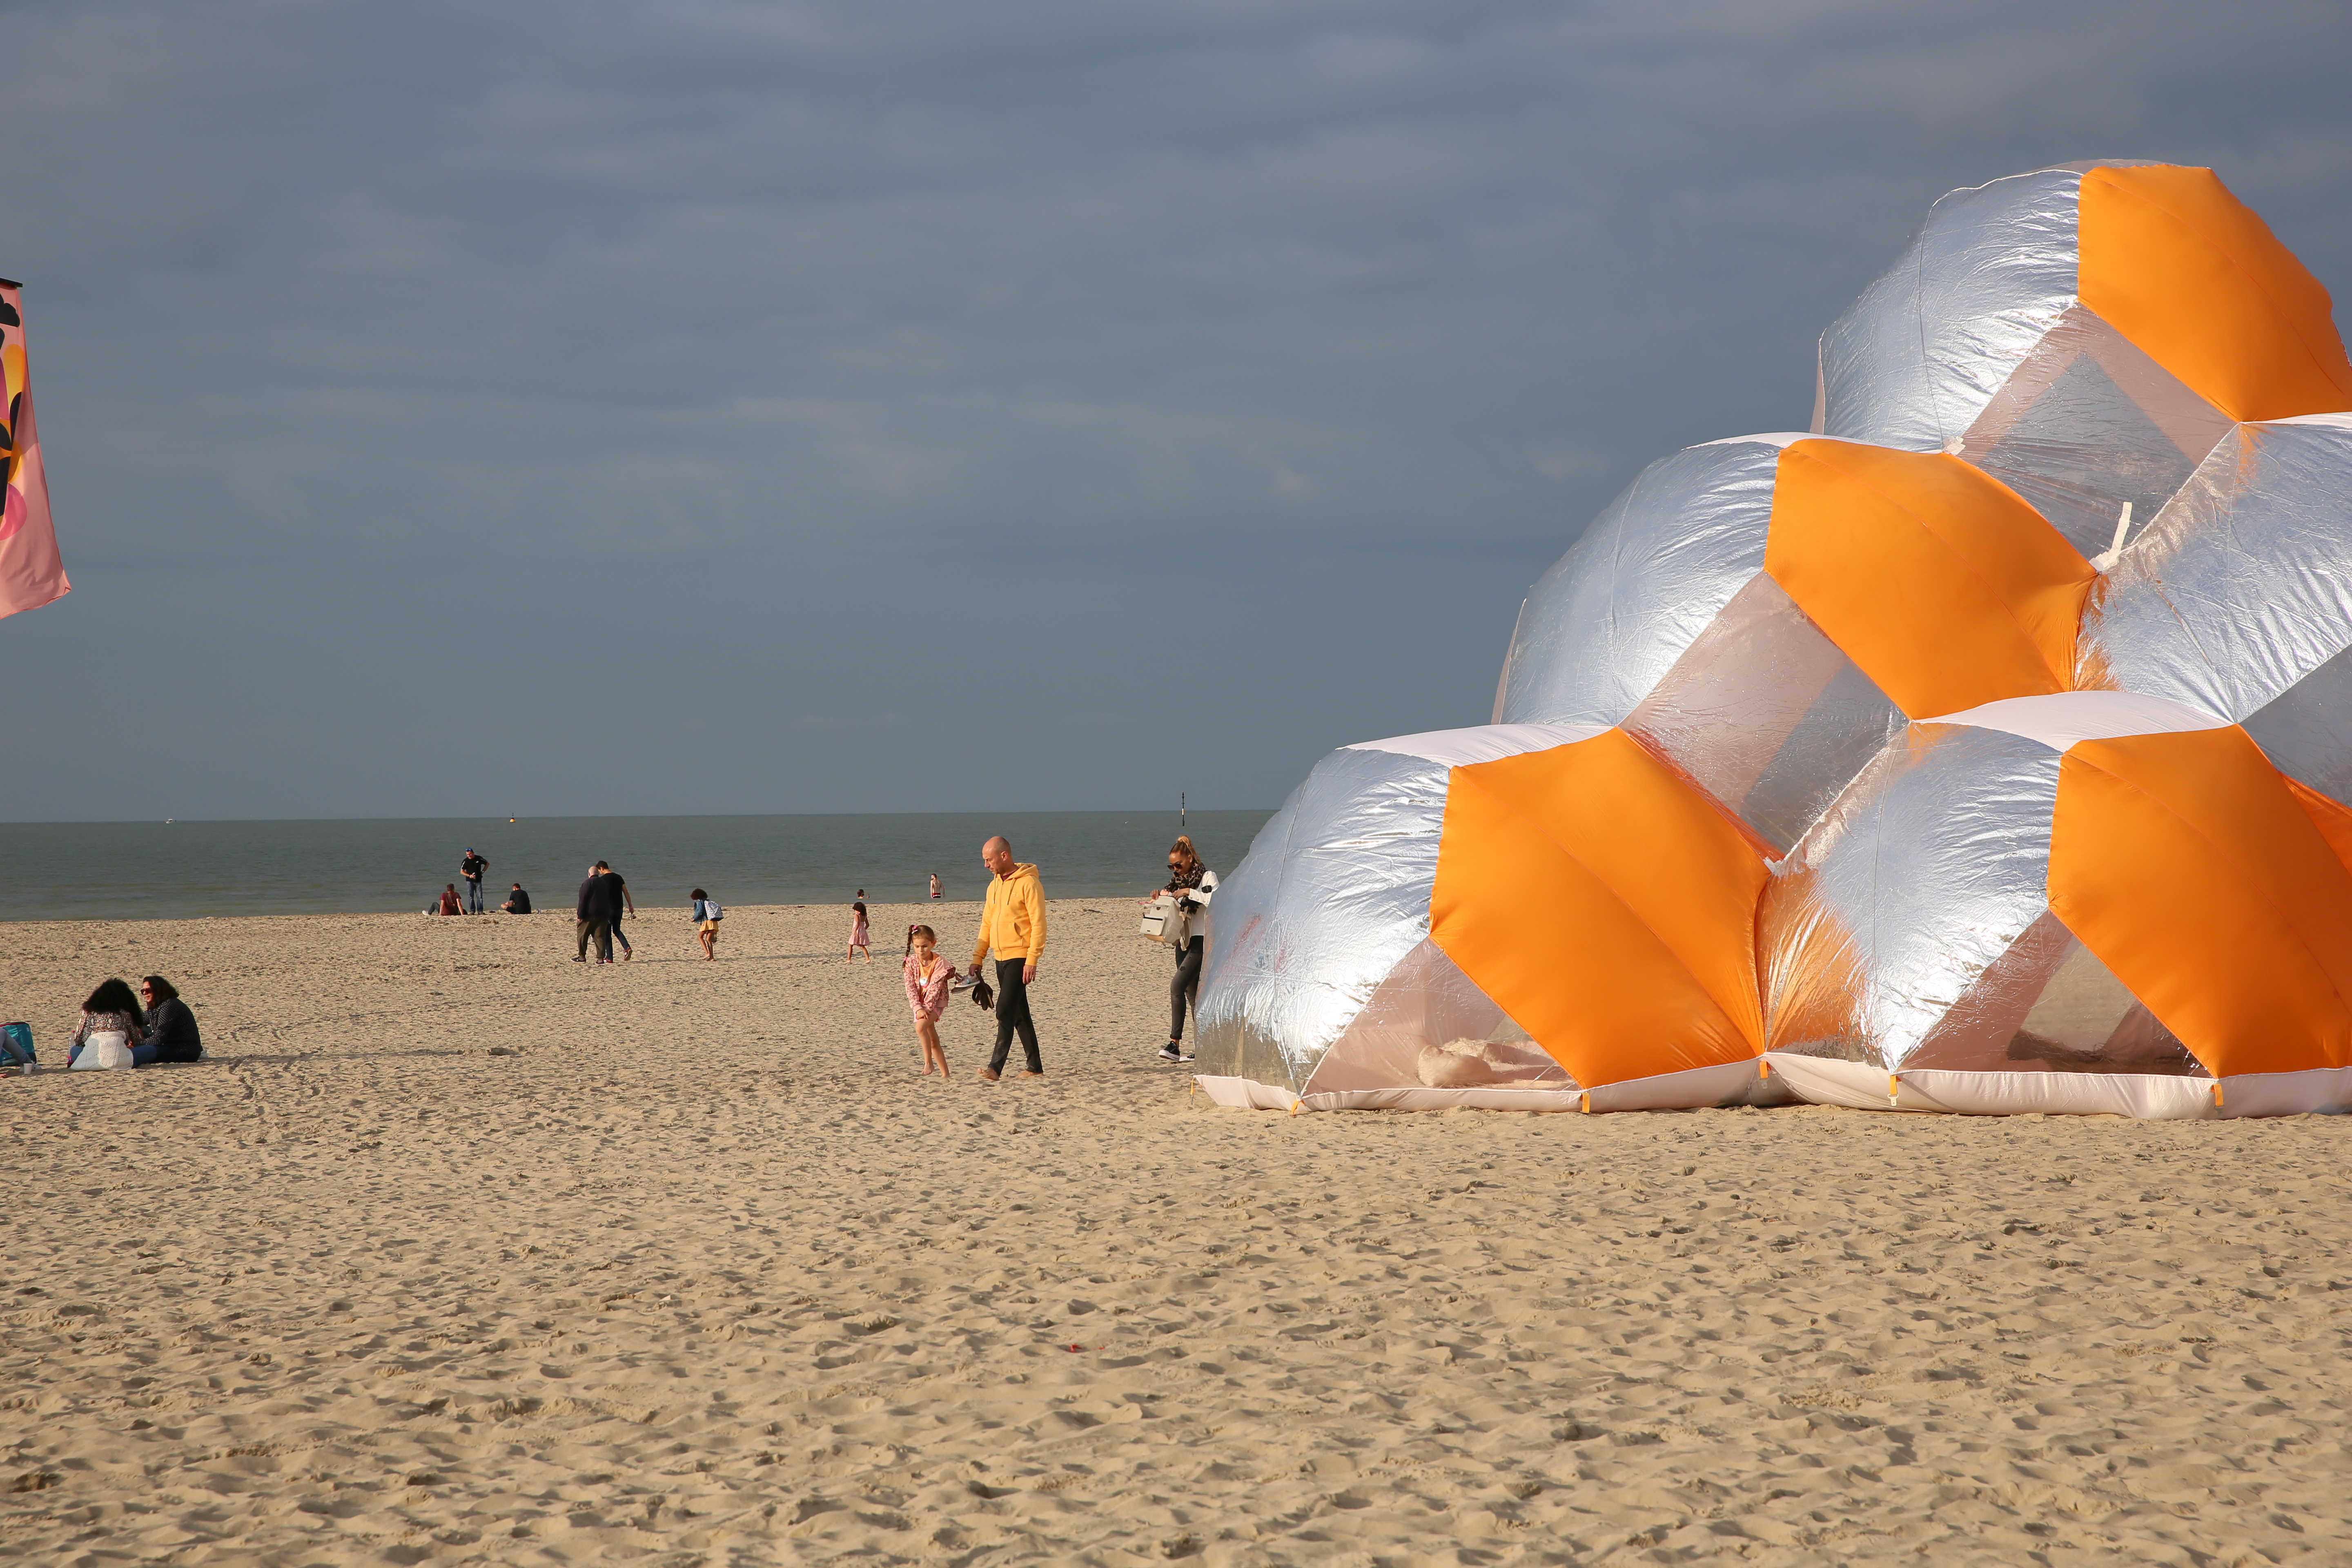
701,1273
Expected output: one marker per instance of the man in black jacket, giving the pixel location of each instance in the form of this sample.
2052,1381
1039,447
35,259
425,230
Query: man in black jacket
593,909
517,902
471,868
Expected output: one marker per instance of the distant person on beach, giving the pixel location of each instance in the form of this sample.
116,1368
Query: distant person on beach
595,925
859,940
172,1033
1012,926
1192,882
928,975
449,902
617,898
110,1023
936,888
471,868
706,915
517,902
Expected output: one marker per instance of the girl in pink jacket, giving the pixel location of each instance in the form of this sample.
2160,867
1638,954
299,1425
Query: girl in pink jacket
928,976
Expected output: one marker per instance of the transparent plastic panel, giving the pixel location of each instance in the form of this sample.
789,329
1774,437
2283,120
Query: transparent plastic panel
1333,894
1924,874
1612,617
1764,714
1429,1026
1914,359
2306,730
2088,423
2048,1004
2242,586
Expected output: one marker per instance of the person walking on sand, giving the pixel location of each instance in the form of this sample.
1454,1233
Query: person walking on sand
928,975
595,925
470,870
935,888
1192,883
1012,926
860,940
618,897
706,915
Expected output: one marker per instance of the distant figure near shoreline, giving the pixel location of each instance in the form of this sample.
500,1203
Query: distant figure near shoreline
859,938
936,890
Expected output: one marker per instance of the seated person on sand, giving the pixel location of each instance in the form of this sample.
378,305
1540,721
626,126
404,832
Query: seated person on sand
172,1033
450,903
517,902
111,1017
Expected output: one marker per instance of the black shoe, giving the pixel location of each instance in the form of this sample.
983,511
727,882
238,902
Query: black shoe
1167,1053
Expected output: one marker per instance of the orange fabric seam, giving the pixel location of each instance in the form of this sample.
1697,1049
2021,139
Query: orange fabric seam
2065,679
1665,946
2232,862
2327,373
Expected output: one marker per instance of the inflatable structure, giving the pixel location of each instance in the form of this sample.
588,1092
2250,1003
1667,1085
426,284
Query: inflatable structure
1987,748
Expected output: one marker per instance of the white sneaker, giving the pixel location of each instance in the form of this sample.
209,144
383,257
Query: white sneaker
1169,1054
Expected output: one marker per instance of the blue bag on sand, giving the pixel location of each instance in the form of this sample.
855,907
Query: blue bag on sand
16,1045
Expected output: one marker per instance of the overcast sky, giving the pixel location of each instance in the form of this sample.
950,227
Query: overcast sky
601,409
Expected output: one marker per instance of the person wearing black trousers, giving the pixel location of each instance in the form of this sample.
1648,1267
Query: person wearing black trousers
1192,883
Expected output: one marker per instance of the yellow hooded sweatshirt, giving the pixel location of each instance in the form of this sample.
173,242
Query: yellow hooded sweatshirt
1013,920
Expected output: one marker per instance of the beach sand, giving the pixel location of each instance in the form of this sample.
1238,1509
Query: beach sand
703,1274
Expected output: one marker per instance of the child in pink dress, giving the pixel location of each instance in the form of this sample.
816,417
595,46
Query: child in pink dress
928,977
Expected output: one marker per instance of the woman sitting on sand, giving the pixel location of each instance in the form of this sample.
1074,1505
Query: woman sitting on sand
449,901
928,978
110,1023
171,1035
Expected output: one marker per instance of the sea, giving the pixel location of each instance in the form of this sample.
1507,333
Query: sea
179,870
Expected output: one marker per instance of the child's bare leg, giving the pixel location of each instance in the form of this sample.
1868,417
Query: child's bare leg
932,1050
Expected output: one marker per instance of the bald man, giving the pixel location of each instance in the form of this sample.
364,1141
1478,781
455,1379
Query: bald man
1012,926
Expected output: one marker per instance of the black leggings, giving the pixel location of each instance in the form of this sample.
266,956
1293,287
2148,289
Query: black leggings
1186,986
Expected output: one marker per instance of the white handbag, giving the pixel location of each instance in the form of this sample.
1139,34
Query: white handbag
106,1049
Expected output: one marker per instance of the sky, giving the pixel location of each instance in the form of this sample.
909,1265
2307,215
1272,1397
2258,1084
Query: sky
537,409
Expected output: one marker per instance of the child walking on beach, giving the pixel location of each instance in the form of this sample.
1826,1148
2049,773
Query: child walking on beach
928,977
858,940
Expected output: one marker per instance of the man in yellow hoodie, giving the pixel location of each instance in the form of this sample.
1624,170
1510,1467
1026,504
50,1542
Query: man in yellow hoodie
1013,925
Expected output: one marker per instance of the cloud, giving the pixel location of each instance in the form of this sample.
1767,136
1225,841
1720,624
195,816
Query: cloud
1322,328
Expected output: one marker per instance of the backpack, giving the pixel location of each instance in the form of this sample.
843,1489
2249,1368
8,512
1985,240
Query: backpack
711,911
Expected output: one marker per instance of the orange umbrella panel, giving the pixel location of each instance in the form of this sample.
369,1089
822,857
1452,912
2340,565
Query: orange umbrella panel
1607,906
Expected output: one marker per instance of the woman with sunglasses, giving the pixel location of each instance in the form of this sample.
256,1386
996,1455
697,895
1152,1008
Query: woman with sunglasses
171,1035
1192,882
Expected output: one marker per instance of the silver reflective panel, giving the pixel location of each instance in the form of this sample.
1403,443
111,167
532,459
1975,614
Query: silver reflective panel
1927,871
2306,731
1913,361
1332,895
1605,624
2242,585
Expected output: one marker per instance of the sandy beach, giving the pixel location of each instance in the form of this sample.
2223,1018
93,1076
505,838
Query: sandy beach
461,1252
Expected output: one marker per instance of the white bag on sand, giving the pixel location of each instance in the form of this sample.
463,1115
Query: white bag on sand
106,1049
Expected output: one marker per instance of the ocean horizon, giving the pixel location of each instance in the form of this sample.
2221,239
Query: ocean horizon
175,870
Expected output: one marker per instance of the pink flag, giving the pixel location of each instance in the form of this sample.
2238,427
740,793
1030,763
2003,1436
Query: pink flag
30,573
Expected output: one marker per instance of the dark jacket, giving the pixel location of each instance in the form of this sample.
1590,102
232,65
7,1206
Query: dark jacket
172,1030
591,906
520,901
